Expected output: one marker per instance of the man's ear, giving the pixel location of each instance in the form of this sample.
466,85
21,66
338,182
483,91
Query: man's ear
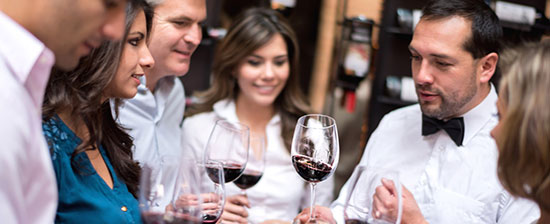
487,67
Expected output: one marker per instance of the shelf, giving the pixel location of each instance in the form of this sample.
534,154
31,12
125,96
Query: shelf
393,101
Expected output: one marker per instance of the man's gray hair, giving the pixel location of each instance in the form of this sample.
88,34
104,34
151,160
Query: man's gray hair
154,3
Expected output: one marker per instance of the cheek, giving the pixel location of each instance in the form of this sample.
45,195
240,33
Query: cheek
495,133
248,74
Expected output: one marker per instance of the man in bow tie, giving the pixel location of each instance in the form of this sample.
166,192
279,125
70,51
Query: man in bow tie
442,146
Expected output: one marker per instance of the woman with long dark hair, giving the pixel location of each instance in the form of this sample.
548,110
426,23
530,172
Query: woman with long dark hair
255,82
91,154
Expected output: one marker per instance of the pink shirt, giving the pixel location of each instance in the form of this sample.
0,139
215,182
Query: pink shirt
28,190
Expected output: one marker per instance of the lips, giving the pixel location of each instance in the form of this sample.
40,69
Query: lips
427,95
265,89
137,78
186,53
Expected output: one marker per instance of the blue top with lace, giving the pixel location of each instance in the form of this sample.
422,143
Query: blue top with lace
83,194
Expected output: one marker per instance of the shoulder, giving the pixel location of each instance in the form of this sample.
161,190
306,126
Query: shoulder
56,137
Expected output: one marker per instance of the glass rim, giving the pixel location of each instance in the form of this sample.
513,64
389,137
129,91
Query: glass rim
331,119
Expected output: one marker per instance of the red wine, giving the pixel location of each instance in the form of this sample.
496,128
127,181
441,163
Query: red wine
310,170
248,179
163,218
232,171
355,221
212,173
207,219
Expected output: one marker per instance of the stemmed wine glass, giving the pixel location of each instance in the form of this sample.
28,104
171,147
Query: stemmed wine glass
255,165
228,144
315,151
212,191
169,192
360,199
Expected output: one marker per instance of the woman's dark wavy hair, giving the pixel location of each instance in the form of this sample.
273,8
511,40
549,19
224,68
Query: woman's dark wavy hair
81,92
251,30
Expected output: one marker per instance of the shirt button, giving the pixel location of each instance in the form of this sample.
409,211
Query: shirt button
441,147
124,208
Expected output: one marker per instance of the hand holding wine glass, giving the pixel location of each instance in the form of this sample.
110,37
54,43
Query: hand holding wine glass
228,144
372,190
315,151
169,193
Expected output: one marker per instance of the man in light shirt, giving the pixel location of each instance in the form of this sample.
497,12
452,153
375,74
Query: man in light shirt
35,36
442,147
153,117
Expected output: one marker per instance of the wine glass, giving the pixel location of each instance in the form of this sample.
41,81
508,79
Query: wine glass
228,144
359,202
255,165
212,190
169,192
315,151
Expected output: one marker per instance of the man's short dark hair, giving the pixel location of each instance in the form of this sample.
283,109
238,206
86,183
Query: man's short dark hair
486,29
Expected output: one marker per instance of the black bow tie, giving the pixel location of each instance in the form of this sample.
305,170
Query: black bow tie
454,127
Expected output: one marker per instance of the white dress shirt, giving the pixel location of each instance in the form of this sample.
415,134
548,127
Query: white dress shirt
154,122
281,193
28,190
451,184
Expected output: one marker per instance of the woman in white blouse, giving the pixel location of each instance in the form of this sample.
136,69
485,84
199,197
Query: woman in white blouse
255,82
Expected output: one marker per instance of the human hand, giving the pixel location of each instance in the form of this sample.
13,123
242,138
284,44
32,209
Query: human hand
385,204
234,210
322,215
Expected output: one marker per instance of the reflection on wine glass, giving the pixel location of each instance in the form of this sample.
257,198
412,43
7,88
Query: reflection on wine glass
170,194
212,191
255,165
359,201
315,151
228,144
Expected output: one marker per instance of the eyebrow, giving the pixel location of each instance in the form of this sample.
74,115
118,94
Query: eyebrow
442,56
181,17
138,33
276,57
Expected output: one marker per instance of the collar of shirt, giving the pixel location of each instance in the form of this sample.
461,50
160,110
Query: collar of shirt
27,57
476,118
226,109
155,108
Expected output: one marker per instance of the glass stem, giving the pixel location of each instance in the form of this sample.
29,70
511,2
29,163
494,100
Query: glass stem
312,205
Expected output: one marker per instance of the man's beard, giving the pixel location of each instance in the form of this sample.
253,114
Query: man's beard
451,103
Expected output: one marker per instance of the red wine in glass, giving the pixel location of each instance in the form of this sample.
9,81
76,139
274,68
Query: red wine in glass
355,221
207,219
232,171
248,179
310,170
